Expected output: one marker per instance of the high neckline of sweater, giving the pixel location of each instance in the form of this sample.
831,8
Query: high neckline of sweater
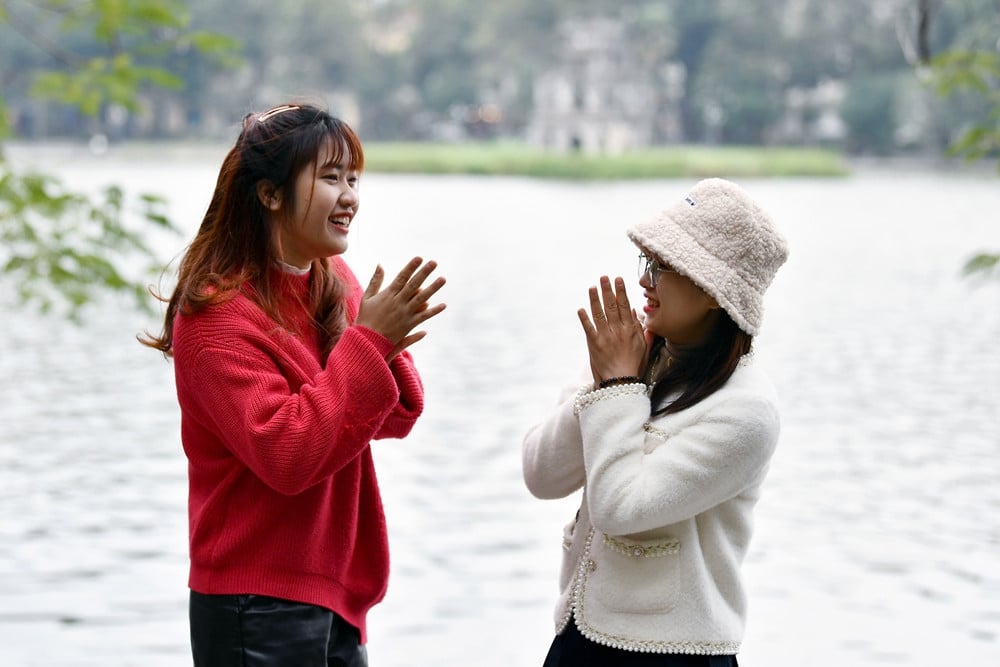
294,270
291,282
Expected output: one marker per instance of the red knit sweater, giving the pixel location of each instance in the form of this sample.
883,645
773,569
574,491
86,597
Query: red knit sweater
283,499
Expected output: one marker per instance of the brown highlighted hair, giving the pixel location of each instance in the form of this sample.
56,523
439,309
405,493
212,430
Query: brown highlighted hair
698,371
236,244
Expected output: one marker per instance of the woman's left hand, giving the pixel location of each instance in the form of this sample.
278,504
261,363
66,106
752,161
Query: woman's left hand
615,337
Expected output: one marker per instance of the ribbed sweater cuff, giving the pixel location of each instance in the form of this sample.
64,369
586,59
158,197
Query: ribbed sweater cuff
380,342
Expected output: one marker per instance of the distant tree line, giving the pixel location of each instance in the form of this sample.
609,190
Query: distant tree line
399,68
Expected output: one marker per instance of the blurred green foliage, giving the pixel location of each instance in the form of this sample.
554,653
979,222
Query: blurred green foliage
60,248
977,73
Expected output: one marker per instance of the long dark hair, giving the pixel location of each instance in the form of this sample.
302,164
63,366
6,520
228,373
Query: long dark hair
698,371
235,244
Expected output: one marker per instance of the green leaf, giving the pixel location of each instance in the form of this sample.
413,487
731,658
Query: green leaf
983,263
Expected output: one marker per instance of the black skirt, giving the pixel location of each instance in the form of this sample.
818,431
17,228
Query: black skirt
572,649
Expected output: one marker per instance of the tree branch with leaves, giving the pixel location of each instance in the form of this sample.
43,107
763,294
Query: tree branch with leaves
63,248
975,71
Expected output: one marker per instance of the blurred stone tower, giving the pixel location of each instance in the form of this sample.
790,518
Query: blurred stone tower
596,98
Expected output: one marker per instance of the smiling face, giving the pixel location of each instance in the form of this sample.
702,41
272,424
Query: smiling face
676,308
325,202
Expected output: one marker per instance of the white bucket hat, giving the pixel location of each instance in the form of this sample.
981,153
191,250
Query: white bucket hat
722,240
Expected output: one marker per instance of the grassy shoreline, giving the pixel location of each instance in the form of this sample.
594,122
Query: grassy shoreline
512,159
505,159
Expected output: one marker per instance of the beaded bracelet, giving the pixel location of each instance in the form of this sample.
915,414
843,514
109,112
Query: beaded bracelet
614,382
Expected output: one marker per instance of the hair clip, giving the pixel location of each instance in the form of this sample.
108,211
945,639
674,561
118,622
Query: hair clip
270,113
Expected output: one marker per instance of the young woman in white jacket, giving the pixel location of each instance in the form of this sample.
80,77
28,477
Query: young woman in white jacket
670,442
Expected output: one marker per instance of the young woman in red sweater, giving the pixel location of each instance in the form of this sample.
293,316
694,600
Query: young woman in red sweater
286,370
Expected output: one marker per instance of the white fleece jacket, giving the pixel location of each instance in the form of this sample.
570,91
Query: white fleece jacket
651,561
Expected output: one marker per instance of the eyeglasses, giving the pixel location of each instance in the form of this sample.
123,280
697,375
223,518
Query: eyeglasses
650,267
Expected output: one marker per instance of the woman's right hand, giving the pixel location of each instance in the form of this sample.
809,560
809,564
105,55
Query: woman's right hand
615,338
396,310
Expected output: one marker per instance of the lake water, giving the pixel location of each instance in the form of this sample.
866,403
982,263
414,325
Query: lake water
878,536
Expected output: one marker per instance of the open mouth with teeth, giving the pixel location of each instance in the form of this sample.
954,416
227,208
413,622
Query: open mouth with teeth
341,221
